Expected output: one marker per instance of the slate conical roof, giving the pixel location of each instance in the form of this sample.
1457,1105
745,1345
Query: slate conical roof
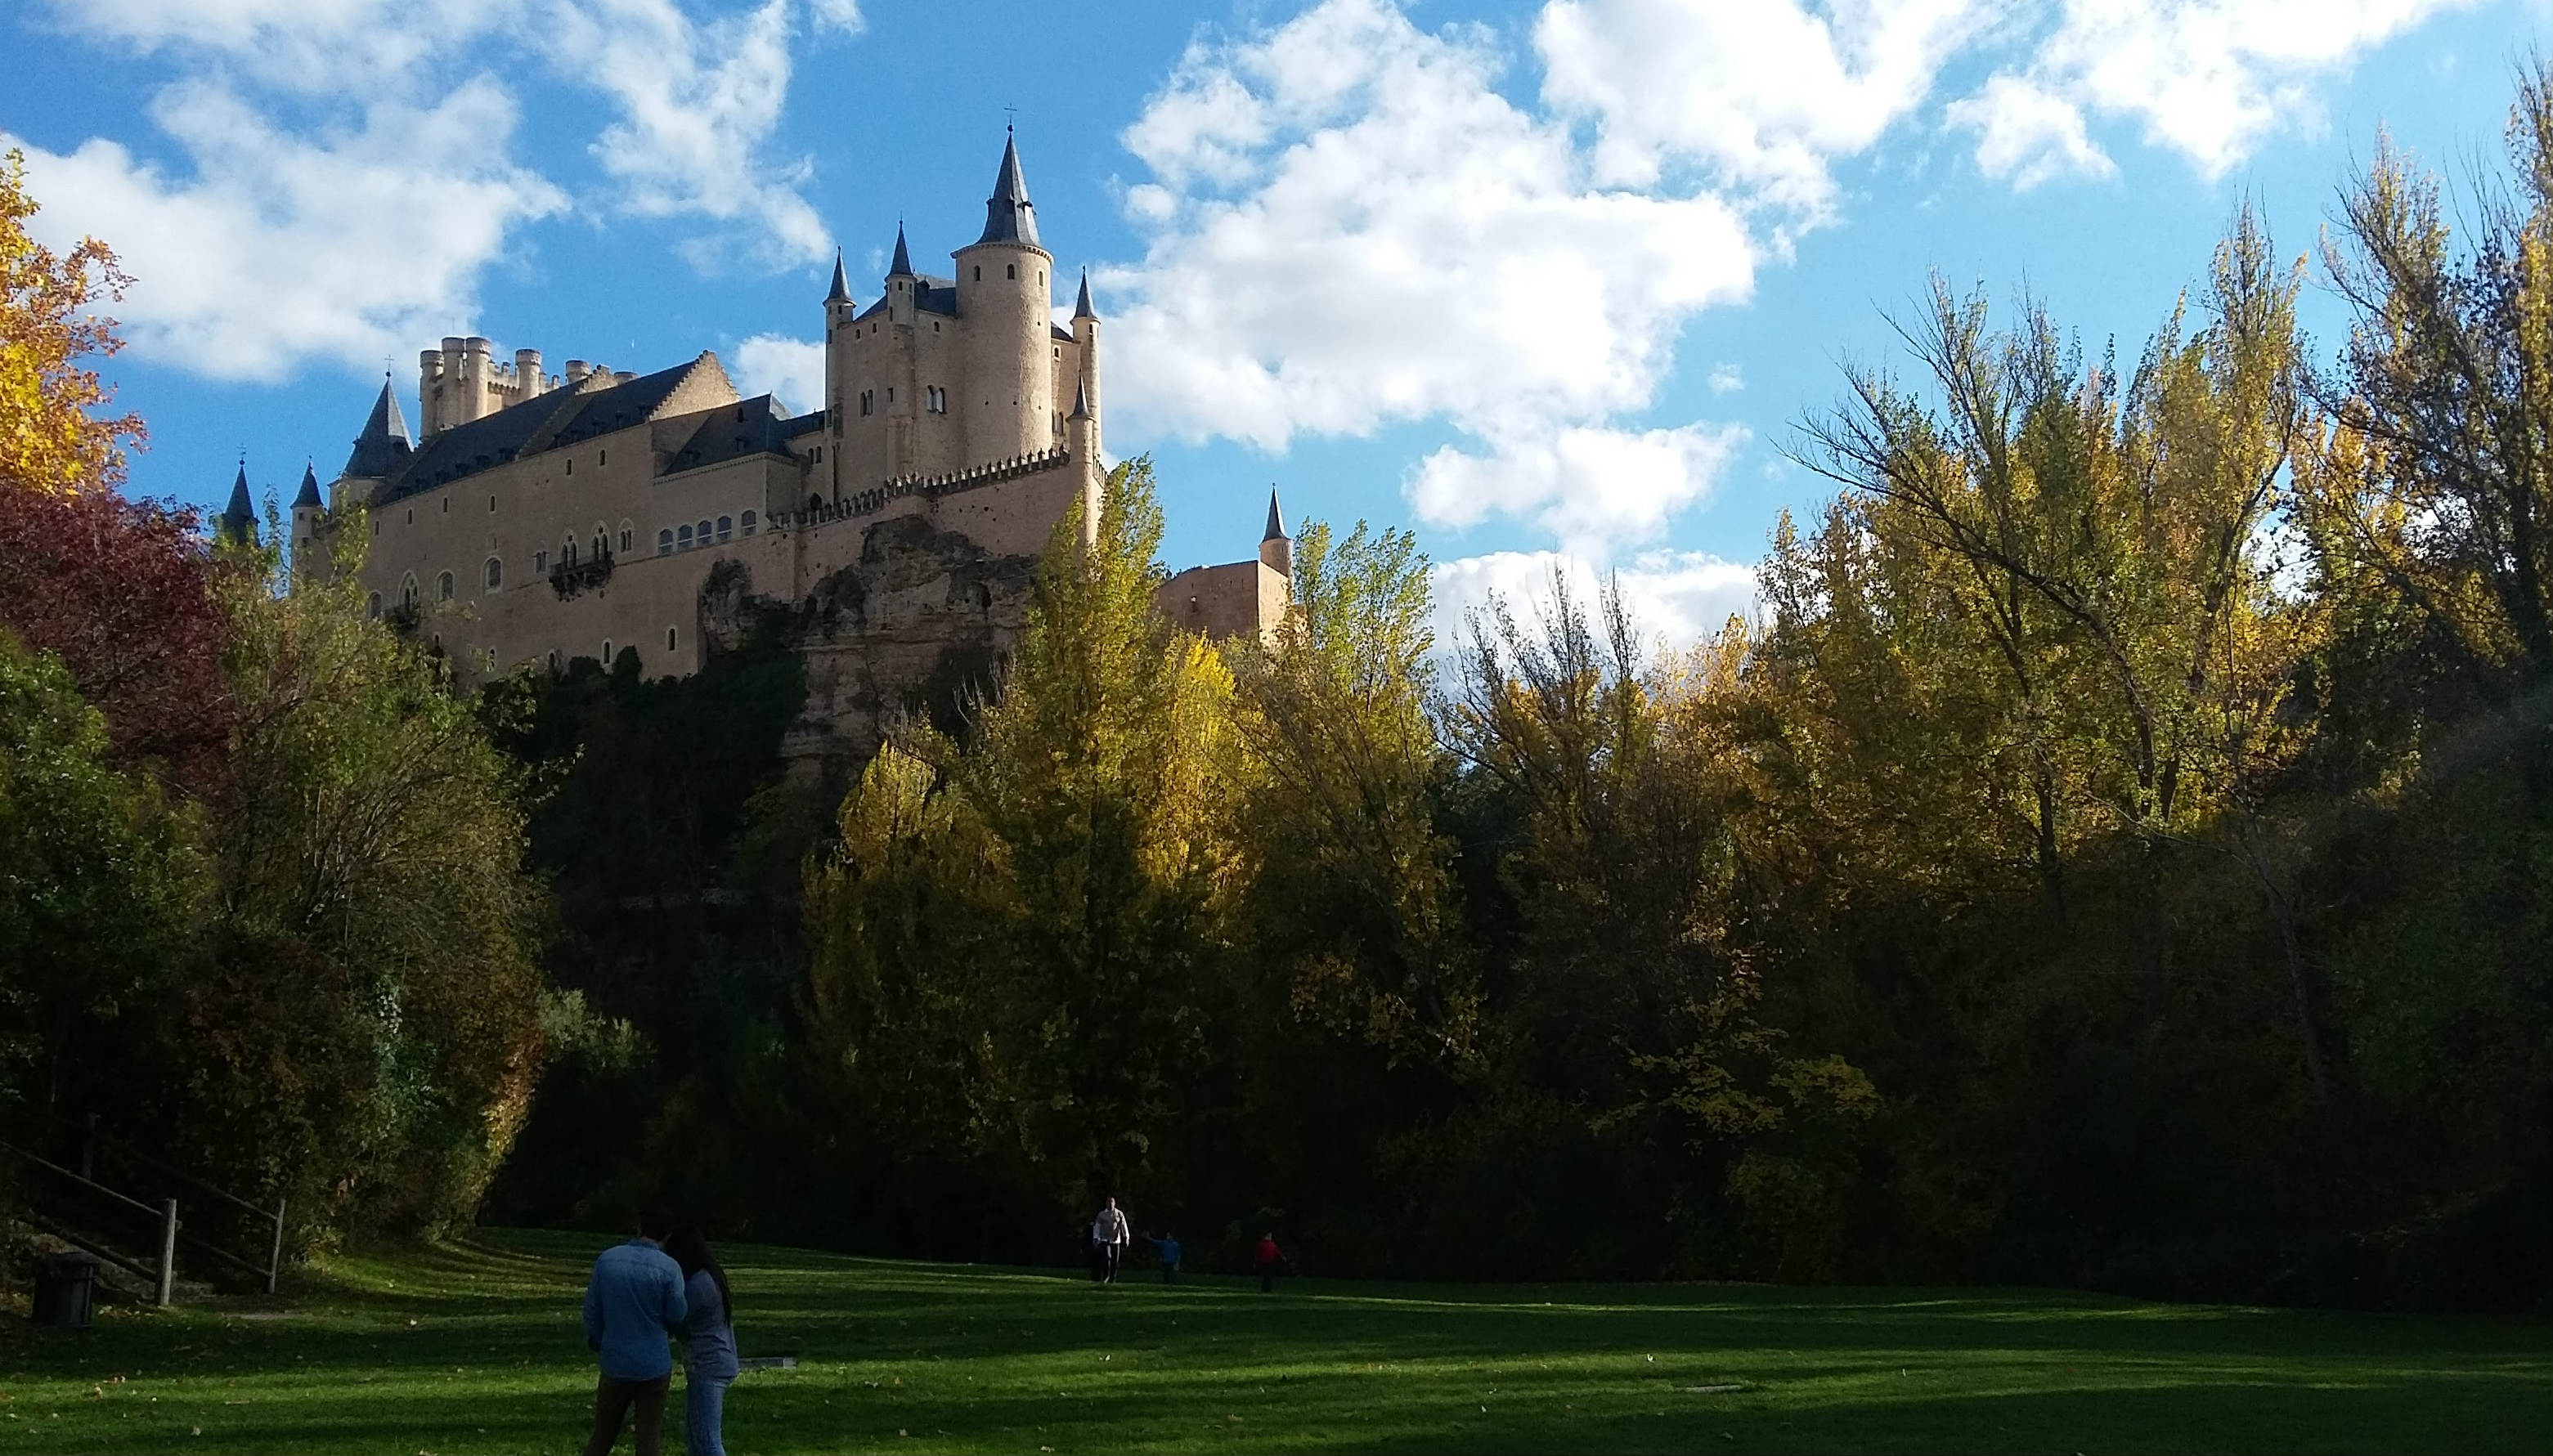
1081,308
1276,521
239,518
383,446
1009,216
1081,402
309,496
901,266
842,286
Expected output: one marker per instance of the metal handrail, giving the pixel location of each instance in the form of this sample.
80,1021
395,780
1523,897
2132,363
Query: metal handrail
93,1187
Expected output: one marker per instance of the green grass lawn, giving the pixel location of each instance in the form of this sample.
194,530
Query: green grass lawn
475,1348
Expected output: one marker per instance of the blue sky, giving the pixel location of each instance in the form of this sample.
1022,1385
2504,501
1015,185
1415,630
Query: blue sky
1541,281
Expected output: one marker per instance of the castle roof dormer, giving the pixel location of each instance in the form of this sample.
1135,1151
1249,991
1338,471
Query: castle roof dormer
1009,216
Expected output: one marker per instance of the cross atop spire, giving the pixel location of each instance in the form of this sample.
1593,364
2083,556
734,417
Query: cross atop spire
1275,520
1009,216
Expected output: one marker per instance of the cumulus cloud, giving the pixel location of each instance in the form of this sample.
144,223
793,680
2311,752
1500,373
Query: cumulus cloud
2209,79
280,248
791,368
350,171
1589,486
1676,598
1761,94
1349,226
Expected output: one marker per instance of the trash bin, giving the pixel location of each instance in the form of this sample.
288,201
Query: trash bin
66,1291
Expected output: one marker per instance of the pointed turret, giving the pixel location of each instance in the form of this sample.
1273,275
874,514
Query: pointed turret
1009,216
1081,308
384,445
901,266
238,520
1080,403
1275,547
308,499
842,292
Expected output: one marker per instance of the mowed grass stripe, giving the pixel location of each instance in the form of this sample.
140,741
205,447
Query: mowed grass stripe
476,1347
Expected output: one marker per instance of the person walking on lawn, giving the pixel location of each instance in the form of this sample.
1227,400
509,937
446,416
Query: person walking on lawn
1270,1256
1109,1236
631,1304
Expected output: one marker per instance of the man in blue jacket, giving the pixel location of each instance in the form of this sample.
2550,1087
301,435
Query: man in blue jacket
633,1303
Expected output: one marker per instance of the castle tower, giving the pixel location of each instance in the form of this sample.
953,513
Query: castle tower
1007,305
1081,439
1086,336
237,524
1275,547
378,452
308,515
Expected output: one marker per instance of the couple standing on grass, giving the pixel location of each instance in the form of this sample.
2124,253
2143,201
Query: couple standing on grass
663,1282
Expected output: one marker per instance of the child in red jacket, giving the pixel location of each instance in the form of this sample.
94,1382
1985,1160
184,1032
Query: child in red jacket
1269,1258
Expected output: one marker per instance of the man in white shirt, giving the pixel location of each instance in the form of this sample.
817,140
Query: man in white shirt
1109,1236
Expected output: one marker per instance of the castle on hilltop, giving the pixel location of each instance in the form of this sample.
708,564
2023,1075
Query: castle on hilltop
540,518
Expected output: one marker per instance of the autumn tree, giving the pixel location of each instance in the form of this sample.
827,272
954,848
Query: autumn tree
49,439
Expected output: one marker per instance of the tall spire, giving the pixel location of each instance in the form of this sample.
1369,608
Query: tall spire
384,445
1276,521
1081,402
238,520
842,286
902,264
308,499
1009,216
1081,308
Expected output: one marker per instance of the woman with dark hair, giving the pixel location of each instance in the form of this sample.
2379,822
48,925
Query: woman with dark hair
709,1342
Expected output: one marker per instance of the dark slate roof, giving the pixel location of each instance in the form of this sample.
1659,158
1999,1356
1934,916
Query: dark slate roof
902,264
731,432
239,518
1009,216
1275,522
309,496
545,422
804,424
1081,308
1081,402
1062,335
383,446
842,286
929,295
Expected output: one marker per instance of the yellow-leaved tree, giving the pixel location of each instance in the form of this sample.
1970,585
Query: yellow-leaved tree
49,439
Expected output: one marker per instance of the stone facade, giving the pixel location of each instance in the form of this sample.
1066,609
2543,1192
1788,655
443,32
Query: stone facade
543,518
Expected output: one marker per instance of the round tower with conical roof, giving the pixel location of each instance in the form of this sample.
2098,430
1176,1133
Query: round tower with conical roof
1006,302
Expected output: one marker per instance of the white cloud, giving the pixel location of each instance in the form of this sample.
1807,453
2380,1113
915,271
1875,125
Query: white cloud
355,46
791,368
1587,486
697,104
2207,78
282,248
2027,135
1727,379
1676,598
841,16
1350,227
1762,93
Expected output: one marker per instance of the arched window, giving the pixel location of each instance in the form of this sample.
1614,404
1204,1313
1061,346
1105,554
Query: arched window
601,545
726,527
566,552
495,573
625,536
664,541
606,653
669,638
815,503
407,594
443,587
1010,272
748,523
553,658
702,534
372,606
686,538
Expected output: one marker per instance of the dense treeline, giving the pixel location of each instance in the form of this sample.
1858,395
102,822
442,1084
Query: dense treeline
263,909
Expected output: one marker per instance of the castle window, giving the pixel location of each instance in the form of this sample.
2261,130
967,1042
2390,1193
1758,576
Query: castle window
686,538
407,594
664,541
602,546
890,394
566,552
412,516
602,457
1010,272
553,658
815,503
541,561
702,534
669,638
443,587
607,652
726,527
868,401
372,606
492,505
1040,278
935,326
748,523
979,273
624,538
494,573
447,505
571,469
